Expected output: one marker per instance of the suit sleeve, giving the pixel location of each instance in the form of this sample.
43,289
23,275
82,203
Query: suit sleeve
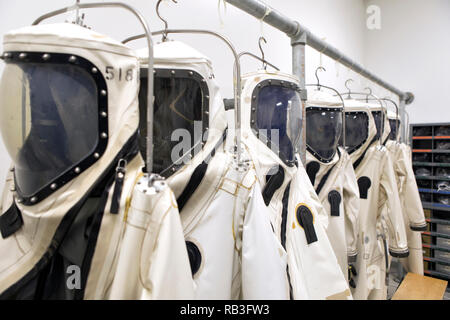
398,246
170,273
264,260
351,209
410,196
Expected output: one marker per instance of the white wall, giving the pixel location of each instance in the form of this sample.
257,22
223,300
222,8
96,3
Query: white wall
412,51
341,22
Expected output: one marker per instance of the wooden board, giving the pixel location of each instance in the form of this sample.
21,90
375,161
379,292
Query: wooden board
417,287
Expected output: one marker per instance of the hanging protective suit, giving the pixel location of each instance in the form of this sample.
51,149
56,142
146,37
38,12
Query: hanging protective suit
233,251
330,171
271,130
377,187
72,216
413,214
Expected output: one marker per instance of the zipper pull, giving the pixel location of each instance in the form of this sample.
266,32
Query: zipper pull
118,186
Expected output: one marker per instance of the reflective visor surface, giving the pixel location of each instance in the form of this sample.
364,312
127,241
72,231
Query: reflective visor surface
279,119
323,130
356,130
48,121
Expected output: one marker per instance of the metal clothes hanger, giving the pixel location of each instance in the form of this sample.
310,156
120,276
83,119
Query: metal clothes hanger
318,85
166,25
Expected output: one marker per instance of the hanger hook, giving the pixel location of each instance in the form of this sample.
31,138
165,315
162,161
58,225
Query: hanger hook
261,39
348,88
317,76
369,94
166,25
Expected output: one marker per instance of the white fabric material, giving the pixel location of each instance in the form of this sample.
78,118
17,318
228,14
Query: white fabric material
342,230
393,116
413,214
322,97
308,264
376,165
387,126
264,260
153,261
314,269
245,260
21,251
42,219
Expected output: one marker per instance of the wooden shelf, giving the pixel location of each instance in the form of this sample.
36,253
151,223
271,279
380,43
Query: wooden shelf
418,287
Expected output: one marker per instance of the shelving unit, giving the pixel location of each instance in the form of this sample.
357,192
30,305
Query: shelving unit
431,162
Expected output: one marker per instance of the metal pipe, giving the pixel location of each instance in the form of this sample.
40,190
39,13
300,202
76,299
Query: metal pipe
407,139
149,156
236,82
298,69
260,10
396,116
294,30
404,129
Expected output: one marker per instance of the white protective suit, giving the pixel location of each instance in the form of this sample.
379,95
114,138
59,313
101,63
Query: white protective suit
413,214
233,251
270,101
74,225
377,188
331,172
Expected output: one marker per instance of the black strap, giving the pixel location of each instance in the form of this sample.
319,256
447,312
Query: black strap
334,198
195,257
386,260
361,158
364,185
197,176
311,169
228,104
273,183
325,177
118,186
305,219
284,215
11,221
191,187
87,261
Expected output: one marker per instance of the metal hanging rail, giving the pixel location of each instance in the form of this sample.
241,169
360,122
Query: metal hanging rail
300,37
